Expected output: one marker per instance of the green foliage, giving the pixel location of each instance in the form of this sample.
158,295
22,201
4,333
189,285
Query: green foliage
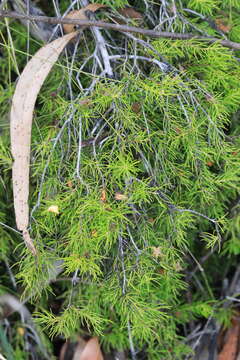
69,321
115,4
207,7
231,4
5,346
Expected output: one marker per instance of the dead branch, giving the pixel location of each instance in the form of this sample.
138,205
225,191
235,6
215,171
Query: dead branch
121,28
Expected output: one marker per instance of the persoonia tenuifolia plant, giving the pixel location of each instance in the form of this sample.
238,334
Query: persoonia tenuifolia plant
132,175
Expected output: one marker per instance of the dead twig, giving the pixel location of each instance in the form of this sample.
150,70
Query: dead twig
121,28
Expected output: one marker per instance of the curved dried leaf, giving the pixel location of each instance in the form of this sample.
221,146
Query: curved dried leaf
130,13
79,349
91,351
23,102
80,15
230,348
74,14
94,7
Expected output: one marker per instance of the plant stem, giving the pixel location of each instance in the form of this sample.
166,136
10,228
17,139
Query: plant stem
121,28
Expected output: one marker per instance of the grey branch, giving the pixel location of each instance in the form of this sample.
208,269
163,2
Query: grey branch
121,28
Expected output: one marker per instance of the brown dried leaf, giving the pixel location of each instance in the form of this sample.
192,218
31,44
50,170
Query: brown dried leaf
230,348
209,163
23,102
94,7
91,351
83,350
103,197
80,15
223,25
79,349
136,107
74,14
130,13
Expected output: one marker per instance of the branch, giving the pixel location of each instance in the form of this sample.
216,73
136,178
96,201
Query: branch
121,28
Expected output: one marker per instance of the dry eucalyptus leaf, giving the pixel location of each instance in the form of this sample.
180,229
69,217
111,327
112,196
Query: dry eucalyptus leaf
74,14
230,348
80,15
79,349
72,350
94,7
23,102
130,13
91,351
83,350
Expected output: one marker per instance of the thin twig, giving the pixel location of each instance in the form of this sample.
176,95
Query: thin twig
101,44
10,228
122,28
